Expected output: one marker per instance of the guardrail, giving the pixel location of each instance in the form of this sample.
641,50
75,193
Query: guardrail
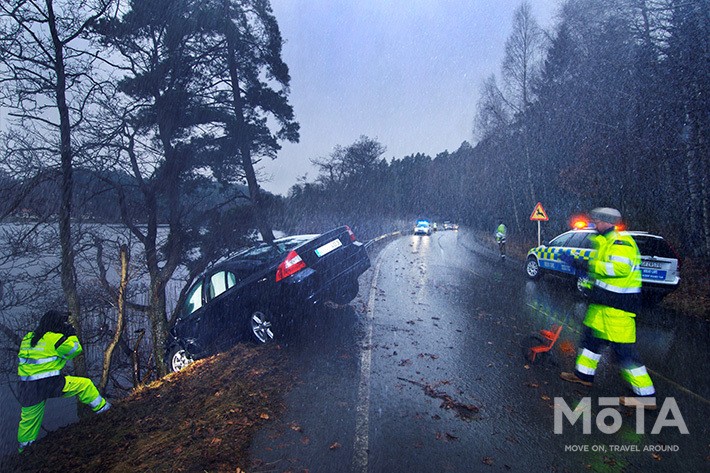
371,242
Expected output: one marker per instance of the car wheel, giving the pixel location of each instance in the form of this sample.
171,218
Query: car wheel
532,268
583,286
261,326
178,358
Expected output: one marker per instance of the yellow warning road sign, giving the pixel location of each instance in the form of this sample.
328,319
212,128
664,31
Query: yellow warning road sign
539,214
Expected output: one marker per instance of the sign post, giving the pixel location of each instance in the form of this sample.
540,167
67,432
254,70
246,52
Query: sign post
538,215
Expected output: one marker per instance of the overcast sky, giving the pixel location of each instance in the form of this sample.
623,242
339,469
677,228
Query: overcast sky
404,72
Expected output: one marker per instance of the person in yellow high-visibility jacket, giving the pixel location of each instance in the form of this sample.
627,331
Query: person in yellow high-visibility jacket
614,268
43,353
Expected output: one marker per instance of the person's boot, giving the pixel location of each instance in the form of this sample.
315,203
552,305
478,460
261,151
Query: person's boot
572,378
648,403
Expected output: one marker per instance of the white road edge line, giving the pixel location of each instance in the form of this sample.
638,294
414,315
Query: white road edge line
362,416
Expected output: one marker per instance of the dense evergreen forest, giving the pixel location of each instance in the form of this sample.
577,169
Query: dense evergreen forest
155,114
610,109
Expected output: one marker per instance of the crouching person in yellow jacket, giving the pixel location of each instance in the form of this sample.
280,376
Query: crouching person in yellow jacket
615,298
43,354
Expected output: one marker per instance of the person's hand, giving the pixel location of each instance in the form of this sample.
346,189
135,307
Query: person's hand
68,330
580,265
568,259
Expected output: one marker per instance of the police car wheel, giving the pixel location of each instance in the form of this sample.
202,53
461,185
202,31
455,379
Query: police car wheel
582,286
532,268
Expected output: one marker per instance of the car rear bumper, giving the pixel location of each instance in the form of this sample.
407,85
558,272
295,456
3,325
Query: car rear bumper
310,288
658,288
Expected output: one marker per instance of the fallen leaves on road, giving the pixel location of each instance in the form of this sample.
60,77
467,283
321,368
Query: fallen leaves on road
464,411
433,357
295,427
487,460
334,446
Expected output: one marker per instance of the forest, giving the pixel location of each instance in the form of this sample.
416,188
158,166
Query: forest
153,115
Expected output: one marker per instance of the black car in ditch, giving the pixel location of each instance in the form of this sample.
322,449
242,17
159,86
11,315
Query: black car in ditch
250,295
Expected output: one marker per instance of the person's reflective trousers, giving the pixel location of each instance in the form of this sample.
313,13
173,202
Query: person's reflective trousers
632,370
31,416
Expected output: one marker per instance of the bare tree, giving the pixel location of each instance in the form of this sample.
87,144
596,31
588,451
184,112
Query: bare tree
523,57
46,75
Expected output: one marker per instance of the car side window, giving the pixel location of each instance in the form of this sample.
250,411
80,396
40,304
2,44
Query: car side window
587,243
577,240
560,240
231,279
220,282
194,299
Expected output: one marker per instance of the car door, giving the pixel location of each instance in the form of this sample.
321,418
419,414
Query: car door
223,300
578,245
190,323
548,257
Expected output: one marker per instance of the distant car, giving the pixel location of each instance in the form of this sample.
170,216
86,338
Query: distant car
247,296
448,225
659,262
434,227
422,227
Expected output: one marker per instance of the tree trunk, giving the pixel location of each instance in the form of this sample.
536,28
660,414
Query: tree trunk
68,270
158,323
121,308
242,133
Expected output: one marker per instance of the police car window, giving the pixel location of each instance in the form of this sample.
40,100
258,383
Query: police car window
587,243
194,299
577,240
650,246
560,240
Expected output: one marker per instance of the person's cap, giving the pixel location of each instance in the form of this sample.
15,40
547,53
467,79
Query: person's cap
606,214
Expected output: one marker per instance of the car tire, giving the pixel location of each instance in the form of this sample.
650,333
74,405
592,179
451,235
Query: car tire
178,358
260,326
532,268
582,286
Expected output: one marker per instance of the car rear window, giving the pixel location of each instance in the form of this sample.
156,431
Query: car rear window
265,252
651,246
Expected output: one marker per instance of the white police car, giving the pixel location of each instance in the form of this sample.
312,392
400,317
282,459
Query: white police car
659,262
422,227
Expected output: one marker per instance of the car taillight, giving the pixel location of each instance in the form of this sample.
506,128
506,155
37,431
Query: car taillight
291,265
350,232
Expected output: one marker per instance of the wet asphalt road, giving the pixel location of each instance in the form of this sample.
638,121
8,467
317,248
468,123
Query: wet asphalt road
425,372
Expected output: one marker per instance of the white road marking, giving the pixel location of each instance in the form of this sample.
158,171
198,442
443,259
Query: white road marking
362,416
